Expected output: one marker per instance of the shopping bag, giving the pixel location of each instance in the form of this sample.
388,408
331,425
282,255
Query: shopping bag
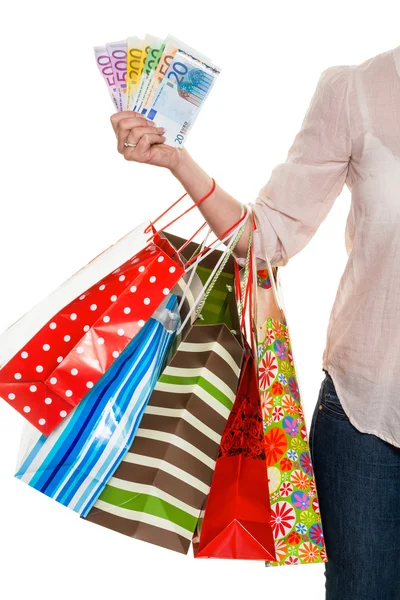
157,492
236,523
236,520
73,464
51,359
295,515
52,356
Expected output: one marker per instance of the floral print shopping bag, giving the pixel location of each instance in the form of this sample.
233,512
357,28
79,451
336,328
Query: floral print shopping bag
295,515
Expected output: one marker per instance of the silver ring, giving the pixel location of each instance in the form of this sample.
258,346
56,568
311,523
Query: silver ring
129,144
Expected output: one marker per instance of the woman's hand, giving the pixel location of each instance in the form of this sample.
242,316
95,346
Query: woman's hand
133,127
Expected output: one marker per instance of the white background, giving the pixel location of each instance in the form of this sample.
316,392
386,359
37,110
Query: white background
66,195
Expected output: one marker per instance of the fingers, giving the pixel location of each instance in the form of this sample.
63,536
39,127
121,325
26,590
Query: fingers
144,141
127,122
127,126
134,127
124,114
134,134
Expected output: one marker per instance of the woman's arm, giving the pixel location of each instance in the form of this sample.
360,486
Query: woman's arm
220,209
299,193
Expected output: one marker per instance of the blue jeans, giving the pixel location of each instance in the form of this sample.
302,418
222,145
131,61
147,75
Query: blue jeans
358,482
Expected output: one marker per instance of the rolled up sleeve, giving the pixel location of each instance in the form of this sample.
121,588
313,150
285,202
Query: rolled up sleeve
301,191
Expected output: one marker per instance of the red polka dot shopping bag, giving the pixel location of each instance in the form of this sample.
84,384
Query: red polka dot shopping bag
54,355
295,515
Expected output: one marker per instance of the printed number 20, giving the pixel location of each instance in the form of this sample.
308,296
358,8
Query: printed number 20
178,73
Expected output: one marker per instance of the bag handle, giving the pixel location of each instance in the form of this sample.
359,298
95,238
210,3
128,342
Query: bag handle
198,256
252,288
246,294
186,211
222,235
221,240
254,299
244,291
270,273
225,233
215,273
242,288
224,261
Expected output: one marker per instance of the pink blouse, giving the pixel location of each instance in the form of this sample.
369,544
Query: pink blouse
350,135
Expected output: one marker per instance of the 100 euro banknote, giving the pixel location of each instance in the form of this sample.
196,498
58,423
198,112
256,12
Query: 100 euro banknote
181,95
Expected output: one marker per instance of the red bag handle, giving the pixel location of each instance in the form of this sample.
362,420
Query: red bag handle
186,211
224,234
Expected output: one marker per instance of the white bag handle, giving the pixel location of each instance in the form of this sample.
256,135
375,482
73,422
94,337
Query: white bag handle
224,255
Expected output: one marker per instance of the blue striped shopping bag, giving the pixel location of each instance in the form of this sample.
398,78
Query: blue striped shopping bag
73,464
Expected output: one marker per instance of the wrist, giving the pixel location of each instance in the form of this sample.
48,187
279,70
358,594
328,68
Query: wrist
182,164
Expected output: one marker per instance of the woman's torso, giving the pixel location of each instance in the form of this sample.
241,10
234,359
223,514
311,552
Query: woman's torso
362,352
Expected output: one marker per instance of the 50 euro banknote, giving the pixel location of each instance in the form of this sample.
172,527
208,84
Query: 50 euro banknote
181,95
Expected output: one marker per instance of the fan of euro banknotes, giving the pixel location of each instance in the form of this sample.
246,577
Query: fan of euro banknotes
164,79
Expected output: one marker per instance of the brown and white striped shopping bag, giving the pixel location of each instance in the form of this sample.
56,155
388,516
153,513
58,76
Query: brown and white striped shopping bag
159,489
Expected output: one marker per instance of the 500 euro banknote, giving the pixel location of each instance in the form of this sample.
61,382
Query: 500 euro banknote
117,53
104,64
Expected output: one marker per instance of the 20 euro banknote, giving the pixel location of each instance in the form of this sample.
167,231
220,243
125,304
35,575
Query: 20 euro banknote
181,95
170,47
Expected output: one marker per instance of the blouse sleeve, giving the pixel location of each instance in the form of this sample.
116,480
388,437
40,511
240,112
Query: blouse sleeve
301,191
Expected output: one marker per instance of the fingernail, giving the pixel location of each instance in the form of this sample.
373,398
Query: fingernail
161,129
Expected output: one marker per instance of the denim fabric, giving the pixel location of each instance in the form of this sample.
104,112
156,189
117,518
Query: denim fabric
358,482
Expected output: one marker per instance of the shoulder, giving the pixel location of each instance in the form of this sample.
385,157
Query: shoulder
341,74
332,89
370,68
337,77
378,60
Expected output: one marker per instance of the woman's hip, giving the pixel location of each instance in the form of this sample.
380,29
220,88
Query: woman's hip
358,477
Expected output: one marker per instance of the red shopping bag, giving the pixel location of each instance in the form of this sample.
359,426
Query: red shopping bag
45,377
236,523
